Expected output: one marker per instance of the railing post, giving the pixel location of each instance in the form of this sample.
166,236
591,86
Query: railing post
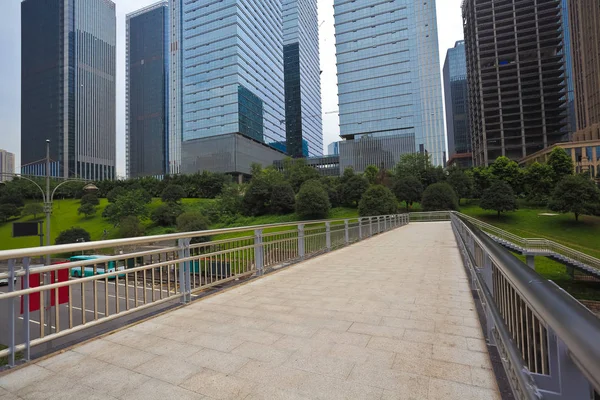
370,226
258,252
26,323
301,244
346,233
530,259
378,224
184,270
360,229
385,223
328,235
12,317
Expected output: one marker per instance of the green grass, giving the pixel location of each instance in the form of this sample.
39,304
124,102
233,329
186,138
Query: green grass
582,235
4,360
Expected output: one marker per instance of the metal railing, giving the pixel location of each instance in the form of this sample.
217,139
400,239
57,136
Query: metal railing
137,274
548,342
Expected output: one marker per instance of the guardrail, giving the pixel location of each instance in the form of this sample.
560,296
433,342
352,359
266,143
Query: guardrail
548,342
133,275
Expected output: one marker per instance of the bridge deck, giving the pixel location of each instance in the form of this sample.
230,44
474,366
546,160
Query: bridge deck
387,318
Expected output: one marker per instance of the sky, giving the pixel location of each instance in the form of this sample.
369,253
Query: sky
449,31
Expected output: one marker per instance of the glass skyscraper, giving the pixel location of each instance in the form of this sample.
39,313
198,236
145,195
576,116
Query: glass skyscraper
147,91
303,119
68,69
457,96
232,70
389,81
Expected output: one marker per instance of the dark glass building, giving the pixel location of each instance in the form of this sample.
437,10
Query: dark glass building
68,68
457,107
302,81
147,91
518,82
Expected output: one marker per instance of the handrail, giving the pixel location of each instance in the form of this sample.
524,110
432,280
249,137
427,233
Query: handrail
572,323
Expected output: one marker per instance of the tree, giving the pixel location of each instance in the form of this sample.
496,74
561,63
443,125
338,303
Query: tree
461,183
377,200
33,209
499,197
332,187
508,171
173,194
130,226
575,194
414,164
73,235
8,211
230,200
86,209
408,189
193,221
352,187
312,201
257,199
371,173
283,198
131,203
439,197
561,163
296,172
113,194
90,198
166,214
482,179
539,182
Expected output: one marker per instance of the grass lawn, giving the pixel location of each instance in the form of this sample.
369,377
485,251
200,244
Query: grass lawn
582,235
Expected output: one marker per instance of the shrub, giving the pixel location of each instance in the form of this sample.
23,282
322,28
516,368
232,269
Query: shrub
439,197
193,221
377,200
113,194
73,235
131,227
90,198
86,209
499,197
166,214
8,211
173,194
312,201
283,198
408,189
257,197
33,209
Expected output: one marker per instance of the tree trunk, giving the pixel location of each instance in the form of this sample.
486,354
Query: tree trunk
576,217
498,214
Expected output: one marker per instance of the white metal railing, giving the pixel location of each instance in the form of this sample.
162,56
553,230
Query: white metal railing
132,275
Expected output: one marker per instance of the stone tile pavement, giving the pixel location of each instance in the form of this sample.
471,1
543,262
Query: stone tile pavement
388,318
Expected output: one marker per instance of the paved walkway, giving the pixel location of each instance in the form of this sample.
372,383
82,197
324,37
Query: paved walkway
387,318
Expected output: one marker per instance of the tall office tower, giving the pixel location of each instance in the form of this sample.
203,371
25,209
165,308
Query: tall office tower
175,72
457,106
585,34
147,58
569,73
389,81
302,76
7,165
516,73
68,87
232,84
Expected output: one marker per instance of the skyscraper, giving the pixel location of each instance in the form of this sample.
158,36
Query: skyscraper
457,107
389,81
303,118
147,94
7,165
68,87
517,80
585,33
174,85
232,83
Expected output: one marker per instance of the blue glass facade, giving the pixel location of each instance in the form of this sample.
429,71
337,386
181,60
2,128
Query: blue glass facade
303,119
456,97
147,92
68,69
232,69
389,79
569,71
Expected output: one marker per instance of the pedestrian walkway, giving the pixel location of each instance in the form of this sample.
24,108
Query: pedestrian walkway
391,317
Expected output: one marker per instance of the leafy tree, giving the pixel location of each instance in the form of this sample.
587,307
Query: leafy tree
33,209
333,188
371,173
132,203
433,175
113,194
352,187
90,198
377,200
408,189
312,201
296,172
131,226
482,179
561,163
439,197
283,199
257,199
230,200
173,194
73,235
13,198
499,197
166,214
461,183
538,181
86,209
575,194
414,164
508,171
193,221
8,211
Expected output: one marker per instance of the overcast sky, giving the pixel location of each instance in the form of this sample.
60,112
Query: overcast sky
449,31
